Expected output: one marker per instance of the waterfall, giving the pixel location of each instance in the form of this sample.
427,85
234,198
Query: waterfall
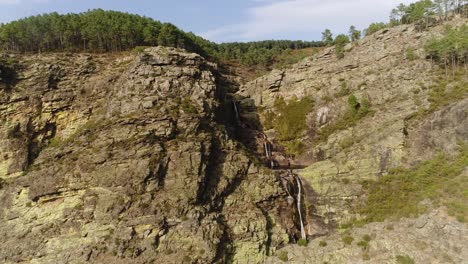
298,181
236,111
267,153
267,147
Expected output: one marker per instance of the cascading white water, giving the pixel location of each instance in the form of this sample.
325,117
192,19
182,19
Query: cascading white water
298,181
268,155
236,111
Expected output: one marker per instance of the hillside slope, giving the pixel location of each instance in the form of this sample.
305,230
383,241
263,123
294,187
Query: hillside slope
383,107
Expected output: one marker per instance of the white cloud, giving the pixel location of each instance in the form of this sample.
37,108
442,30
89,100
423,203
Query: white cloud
273,19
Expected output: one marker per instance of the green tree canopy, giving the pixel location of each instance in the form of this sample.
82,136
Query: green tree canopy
327,37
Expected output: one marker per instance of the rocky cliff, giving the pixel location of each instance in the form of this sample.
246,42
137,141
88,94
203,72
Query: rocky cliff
159,157
383,106
119,159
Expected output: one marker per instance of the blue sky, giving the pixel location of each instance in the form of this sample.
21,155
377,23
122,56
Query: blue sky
225,21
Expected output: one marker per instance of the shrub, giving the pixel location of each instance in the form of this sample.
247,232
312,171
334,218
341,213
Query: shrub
340,42
356,111
323,243
347,239
290,122
139,49
363,244
374,27
283,256
344,90
399,193
404,259
188,107
302,242
366,238
411,54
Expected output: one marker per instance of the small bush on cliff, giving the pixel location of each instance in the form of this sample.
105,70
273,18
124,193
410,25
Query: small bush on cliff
374,27
302,242
188,107
290,122
399,193
340,42
347,239
283,256
356,111
404,259
411,54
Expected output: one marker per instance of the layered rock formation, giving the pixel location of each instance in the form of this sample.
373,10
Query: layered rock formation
402,127
120,159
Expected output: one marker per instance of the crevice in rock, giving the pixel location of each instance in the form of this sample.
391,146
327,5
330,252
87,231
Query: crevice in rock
225,249
269,227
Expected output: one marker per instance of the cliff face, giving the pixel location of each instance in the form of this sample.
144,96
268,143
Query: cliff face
156,158
413,112
120,159
408,118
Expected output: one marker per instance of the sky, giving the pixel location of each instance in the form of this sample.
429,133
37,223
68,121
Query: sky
229,20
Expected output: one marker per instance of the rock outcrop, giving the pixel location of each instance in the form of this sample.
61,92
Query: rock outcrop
430,238
403,125
120,160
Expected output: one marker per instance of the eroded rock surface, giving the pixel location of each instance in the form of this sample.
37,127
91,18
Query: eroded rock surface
120,160
430,238
393,134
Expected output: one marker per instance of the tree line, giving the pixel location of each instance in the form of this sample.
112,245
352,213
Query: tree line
422,12
451,50
111,31
95,31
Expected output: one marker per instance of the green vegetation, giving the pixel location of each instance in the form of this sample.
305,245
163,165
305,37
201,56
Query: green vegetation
283,256
302,242
111,31
344,90
269,53
404,259
422,12
188,107
289,121
290,56
8,68
356,111
88,129
347,239
327,37
340,42
364,243
323,243
445,91
354,34
399,193
450,50
374,27
95,31
411,54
